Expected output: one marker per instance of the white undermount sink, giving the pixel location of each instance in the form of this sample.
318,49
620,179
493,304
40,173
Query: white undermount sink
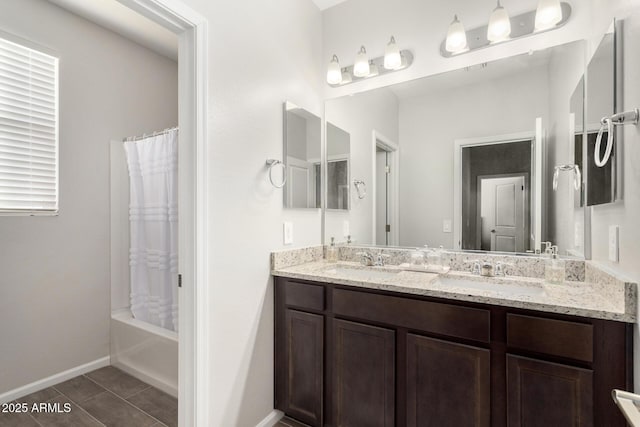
371,273
507,288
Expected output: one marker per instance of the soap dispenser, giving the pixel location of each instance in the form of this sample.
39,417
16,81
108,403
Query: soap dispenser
332,251
554,270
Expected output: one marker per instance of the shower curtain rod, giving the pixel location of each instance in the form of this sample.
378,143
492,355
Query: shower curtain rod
143,136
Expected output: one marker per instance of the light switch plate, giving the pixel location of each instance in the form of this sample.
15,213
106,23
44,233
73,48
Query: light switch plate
446,226
345,228
614,243
288,233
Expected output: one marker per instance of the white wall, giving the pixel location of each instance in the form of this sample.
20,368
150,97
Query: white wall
360,115
430,124
420,26
54,290
261,53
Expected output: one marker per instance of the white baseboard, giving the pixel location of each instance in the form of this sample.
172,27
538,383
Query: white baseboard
271,419
54,379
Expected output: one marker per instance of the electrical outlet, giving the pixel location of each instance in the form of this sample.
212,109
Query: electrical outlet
288,233
345,228
614,243
446,226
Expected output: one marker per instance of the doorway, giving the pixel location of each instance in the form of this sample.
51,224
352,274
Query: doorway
503,206
385,194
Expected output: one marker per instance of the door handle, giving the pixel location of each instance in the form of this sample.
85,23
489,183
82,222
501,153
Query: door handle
493,231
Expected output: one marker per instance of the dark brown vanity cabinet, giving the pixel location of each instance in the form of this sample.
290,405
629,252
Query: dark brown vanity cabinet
351,357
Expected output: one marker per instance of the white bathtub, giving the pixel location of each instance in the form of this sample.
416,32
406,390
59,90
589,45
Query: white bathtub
148,352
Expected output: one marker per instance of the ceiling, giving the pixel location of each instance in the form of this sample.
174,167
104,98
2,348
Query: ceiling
120,19
326,4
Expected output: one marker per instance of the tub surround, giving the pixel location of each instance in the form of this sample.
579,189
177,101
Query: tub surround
589,291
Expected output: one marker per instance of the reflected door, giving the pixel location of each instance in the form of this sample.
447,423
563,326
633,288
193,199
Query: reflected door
502,202
382,197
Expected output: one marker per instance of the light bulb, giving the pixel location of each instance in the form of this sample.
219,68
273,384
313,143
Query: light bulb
334,73
392,59
499,25
361,66
548,14
456,36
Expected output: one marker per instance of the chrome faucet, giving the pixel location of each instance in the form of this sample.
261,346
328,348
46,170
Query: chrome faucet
486,269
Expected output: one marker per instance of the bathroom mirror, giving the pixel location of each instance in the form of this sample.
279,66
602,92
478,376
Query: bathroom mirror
601,181
338,152
464,159
302,154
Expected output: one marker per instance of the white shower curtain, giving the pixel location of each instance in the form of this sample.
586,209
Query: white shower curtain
153,217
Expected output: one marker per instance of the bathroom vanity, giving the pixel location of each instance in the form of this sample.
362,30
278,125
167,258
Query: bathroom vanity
385,347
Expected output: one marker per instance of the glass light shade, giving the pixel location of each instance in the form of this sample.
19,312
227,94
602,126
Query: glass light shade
456,37
392,59
361,65
334,73
499,25
548,14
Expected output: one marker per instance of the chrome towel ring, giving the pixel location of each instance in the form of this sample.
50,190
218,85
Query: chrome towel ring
361,188
577,176
607,123
271,163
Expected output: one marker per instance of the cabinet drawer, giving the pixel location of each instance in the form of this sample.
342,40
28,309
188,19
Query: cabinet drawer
303,295
549,336
438,318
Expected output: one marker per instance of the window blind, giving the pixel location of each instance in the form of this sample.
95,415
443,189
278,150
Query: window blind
28,130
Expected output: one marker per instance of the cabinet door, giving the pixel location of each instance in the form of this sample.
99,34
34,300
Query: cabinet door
363,375
548,394
448,384
304,338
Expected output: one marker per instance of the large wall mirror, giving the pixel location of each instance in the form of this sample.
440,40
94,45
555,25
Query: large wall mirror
465,159
338,159
302,154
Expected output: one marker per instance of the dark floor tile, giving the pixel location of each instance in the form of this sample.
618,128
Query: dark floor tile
13,419
76,417
288,422
115,380
41,396
115,412
79,389
157,404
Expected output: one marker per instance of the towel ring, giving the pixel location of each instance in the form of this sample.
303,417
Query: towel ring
272,163
627,117
577,176
359,184
608,123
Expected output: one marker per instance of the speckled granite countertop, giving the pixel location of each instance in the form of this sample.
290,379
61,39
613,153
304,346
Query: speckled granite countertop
610,300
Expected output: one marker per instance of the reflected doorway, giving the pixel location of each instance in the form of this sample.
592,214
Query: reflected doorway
385,191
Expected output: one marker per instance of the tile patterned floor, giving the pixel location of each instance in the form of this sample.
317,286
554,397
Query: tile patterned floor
106,397
288,422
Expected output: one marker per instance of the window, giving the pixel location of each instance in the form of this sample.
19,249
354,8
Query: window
28,130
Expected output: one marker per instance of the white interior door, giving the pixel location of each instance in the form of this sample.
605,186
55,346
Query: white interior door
382,199
300,183
503,213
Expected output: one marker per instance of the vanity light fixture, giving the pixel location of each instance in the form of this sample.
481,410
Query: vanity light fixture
364,67
456,36
334,72
361,65
499,27
392,57
549,15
